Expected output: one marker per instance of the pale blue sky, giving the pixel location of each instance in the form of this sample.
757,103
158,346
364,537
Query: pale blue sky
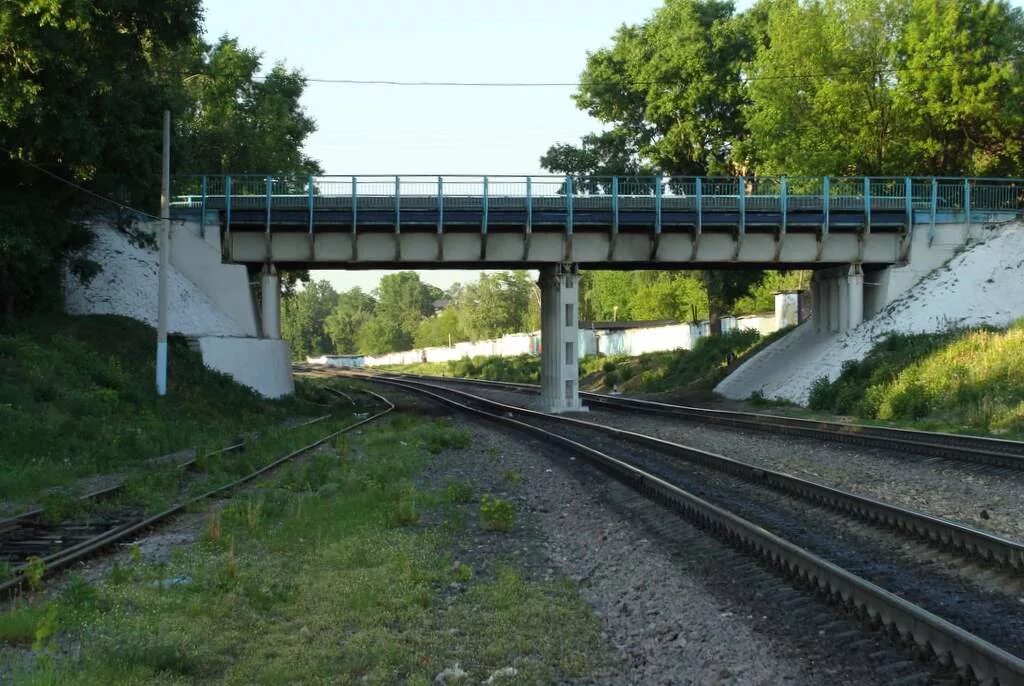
407,130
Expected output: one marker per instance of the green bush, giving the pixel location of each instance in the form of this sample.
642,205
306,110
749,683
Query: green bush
959,380
497,514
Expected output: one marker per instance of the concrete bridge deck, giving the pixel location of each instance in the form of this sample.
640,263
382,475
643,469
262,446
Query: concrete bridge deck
472,222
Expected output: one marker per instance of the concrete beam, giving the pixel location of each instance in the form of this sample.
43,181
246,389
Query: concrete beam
559,334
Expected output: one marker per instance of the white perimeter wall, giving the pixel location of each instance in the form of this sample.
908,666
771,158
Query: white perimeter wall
591,342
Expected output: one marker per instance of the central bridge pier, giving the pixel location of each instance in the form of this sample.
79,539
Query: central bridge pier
559,335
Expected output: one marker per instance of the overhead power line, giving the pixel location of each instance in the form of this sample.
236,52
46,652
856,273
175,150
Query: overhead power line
82,189
851,71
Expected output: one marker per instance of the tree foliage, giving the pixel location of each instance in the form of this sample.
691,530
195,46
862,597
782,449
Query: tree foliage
353,310
83,86
236,123
304,315
81,96
889,87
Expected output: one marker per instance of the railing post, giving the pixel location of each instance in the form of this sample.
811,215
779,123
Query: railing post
398,204
270,201
867,202
486,208
529,205
934,208
784,202
309,202
355,188
440,204
568,204
741,199
908,199
826,202
967,199
202,209
227,216
615,204
700,205
657,204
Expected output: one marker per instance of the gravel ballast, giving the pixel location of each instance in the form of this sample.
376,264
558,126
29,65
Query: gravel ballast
987,499
677,606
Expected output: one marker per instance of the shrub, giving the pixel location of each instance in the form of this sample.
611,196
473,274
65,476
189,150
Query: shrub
458,492
497,514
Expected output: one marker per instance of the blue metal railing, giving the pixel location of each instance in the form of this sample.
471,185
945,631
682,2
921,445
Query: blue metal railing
572,195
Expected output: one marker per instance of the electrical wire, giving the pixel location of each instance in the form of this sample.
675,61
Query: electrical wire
641,83
83,189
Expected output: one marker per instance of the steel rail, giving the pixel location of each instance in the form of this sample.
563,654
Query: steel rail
63,558
34,513
979,449
968,540
950,644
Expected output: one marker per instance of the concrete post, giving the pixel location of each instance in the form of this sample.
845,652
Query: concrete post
271,285
559,334
843,289
855,295
819,308
832,287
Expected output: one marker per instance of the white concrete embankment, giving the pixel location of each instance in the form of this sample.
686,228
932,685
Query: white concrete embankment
983,284
208,301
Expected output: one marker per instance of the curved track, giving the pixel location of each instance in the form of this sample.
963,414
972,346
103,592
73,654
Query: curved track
852,568
977,449
59,545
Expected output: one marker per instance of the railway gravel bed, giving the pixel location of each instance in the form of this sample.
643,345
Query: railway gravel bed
677,606
990,499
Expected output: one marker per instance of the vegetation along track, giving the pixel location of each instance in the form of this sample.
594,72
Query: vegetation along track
991,452
57,545
981,631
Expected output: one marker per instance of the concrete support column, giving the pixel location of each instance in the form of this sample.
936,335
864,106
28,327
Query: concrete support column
819,304
843,314
271,296
559,336
832,286
855,296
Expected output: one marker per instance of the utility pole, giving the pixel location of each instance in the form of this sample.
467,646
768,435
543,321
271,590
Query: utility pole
165,229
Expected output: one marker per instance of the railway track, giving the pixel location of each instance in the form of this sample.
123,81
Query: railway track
29,536
993,452
805,531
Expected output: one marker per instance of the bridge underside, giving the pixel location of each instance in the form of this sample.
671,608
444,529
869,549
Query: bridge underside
291,239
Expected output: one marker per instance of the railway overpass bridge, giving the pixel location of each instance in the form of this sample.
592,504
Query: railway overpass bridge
866,238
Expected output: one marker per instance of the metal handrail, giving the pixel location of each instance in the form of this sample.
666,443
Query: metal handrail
574,195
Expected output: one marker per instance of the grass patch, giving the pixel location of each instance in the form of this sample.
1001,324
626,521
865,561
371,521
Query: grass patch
292,581
497,514
967,380
78,399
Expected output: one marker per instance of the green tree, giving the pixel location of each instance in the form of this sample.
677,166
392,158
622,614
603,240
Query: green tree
669,91
443,328
381,334
497,304
352,311
237,123
405,300
304,318
821,90
960,86
81,95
